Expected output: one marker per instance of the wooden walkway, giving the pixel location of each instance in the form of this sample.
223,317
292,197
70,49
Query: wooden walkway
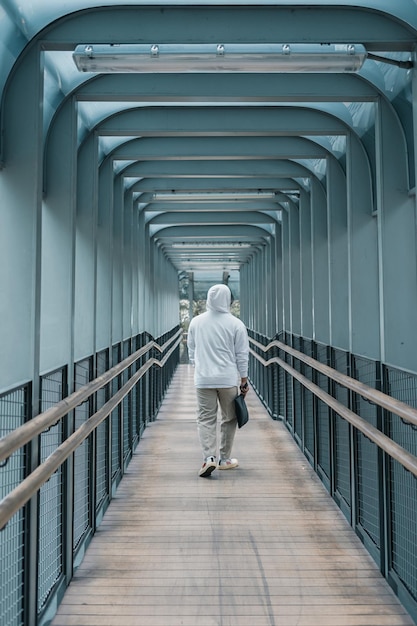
261,545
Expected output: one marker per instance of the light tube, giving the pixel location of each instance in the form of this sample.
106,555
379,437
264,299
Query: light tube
196,58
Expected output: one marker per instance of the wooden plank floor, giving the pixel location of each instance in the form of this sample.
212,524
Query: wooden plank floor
262,545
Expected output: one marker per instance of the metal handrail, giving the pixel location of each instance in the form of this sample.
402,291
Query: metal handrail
25,433
407,460
403,410
19,496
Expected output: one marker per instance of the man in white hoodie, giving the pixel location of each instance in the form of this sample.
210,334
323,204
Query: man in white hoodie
218,347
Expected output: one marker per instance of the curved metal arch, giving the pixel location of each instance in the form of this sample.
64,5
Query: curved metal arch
212,231
297,149
145,190
313,89
340,79
106,126
239,120
367,85
48,11
277,182
285,125
285,128
283,168
231,88
268,206
131,152
338,127
225,148
396,23
372,91
71,22
252,175
127,142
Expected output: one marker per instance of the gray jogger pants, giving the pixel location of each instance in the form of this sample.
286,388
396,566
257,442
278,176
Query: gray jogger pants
208,401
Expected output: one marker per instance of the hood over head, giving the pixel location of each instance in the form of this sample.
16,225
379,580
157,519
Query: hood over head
219,298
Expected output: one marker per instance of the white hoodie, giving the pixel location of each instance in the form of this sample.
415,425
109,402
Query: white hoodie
218,343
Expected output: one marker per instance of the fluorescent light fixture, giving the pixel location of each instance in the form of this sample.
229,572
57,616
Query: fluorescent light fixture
211,246
210,196
278,57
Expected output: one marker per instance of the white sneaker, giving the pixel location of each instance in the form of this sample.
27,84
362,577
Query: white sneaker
225,464
208,467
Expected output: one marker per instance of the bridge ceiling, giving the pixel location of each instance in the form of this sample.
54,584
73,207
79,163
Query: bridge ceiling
214,158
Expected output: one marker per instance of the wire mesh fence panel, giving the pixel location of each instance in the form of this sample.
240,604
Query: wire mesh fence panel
138,415
289,405
156,373
126,407
102,434
308,403
145,387
268,377
403,485
135,398
144,399
297,392
50,543
91,462
142,387
14,407
115,418
361,477
368,502
255,366
342,476
82,459
323,416
151,373
281,381
404,526
274,382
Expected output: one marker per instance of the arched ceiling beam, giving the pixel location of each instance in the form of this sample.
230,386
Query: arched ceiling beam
216,207
206,218
218,148
214,169
235,232
204,258
373,26
289,87
148,186
179,88
220,121
125,88
263,150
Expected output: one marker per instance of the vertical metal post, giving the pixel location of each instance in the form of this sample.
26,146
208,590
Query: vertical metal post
383,480
34,74
190,294
353,455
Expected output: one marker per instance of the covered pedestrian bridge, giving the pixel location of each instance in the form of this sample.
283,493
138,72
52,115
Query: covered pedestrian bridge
147,151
